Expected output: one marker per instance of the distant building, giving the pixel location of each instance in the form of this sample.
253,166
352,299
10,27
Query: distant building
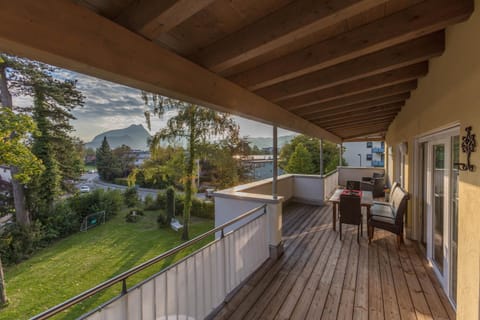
365,154
5,174
140,157
259,166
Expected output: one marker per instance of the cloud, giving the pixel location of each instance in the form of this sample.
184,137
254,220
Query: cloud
111,106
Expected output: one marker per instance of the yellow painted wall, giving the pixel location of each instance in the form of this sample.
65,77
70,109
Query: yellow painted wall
449,93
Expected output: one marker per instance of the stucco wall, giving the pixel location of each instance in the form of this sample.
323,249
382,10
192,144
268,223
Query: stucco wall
451,93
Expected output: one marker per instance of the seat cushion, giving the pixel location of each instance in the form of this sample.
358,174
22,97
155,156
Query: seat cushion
382,213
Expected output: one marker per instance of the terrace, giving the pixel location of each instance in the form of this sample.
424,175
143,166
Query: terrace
335,70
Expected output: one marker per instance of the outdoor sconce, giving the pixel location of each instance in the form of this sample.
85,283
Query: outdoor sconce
468,146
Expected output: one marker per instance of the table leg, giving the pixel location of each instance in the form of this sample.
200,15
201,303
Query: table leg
334,211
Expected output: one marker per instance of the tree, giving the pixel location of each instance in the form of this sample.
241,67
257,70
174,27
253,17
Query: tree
300,161
195,125
124,160
15,151
105,160
54,100
330,153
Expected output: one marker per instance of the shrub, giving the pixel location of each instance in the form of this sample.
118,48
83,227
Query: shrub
18,242
131,197
161,201
148,202
133,215
162,220
121,181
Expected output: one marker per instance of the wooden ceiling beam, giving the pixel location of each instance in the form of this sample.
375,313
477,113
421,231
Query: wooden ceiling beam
379,126
358,121
399,56
355,119
151,18
358,86
389,109
67,35
426,17
363,106
365,133
348,112
359,98
290,23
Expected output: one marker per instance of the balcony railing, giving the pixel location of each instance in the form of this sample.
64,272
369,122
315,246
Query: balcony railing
191,288
378,163
378,150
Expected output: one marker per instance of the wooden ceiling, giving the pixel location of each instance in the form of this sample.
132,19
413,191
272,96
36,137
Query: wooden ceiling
347,66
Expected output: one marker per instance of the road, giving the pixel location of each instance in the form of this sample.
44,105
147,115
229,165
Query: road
93,181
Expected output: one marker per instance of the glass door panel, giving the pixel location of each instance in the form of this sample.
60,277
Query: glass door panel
438,204
454,173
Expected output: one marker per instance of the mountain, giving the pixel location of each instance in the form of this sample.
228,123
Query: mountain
134,136
266,142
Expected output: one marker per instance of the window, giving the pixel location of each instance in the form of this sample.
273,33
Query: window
369,157
369,144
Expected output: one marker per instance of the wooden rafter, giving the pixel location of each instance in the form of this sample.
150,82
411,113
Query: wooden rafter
362,106
292,22
426,17
151,18
357,86
359,98
367,120
339,114
389,59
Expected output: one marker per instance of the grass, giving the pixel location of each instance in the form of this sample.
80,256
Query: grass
86,259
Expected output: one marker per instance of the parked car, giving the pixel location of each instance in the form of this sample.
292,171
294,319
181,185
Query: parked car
84,189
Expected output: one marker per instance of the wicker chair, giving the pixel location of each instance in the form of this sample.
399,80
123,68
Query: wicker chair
353,185
389,215
351,213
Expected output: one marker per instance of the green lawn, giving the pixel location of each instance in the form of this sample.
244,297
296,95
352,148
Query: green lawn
83,260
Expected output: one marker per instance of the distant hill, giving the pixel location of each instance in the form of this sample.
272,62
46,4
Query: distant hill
134,136
266,142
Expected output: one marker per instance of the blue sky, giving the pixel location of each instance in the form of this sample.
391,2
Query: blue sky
112,106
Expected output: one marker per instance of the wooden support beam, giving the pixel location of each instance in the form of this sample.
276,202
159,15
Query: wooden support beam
426,17
396,57
362,106
359,98
357,86
62,33
354,119
151,18
290,23
366,133
348,113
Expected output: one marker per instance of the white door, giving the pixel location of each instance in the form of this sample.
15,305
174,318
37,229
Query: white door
442,209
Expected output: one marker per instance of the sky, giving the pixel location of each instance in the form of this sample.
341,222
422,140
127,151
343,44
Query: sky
111,106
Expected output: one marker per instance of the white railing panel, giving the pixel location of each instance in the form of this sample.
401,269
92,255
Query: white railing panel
193,287
160,295
330,184
148,301
134,304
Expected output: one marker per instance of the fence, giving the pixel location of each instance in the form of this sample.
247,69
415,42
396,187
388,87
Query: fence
191,288
330,183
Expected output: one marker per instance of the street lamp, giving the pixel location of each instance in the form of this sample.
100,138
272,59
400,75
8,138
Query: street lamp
360,156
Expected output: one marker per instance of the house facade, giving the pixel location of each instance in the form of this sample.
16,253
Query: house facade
423,144
364,154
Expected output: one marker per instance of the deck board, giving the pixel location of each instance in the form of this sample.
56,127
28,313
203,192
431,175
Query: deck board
320,276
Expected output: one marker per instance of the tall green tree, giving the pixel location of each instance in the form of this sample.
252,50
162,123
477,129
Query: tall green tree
300,161
54,100
105,161
15,151
195,125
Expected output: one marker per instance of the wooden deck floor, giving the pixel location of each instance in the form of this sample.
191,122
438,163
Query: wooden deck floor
322,277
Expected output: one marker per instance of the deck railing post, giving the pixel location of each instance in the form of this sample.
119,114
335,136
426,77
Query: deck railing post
274,225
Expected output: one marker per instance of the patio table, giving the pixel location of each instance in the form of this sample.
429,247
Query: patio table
366,201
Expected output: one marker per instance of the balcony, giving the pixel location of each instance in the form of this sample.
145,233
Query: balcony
378,163
322,277
378,150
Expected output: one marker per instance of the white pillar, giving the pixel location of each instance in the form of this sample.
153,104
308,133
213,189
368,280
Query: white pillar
340,154
274,218
275,163
321,156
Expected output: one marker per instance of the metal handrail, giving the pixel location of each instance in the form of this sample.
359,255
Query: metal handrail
123,276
